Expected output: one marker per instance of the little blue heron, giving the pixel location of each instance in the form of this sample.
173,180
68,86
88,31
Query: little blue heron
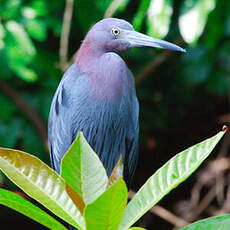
97,96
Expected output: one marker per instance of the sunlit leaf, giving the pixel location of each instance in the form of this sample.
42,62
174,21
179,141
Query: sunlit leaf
115,6
17,203
40,7
167,178
36,29
193,18
25,73
20,51
28,12
106,211
159,17
141,13
212,223
2,35
83,170
21,37
41,183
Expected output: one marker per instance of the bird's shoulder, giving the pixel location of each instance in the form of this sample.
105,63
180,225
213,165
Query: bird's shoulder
113,59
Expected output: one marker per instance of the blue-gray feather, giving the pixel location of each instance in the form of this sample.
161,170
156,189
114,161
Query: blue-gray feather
106,114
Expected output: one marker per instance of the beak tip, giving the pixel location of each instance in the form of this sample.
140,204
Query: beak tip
184,51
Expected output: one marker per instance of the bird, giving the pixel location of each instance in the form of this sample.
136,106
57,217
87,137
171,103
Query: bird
97,96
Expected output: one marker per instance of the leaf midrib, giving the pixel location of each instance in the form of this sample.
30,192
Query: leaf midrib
173,186
50,197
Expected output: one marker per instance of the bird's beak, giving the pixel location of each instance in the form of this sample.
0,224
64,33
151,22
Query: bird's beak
137,39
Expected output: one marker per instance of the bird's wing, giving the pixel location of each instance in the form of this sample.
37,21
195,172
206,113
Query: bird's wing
132,137
110,126
59,130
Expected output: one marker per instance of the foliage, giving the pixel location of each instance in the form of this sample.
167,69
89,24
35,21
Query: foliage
186,92
29,34
81,201
212,223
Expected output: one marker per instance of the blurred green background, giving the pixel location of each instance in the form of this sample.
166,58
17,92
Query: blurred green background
184,98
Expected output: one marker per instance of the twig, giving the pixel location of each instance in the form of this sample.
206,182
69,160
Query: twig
213,211
112,8
220,188
164,56
226,206
164,214
225,146
205,202
169,216
195,194
26,109
109,13
64,41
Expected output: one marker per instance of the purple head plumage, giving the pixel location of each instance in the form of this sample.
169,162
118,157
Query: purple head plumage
116,35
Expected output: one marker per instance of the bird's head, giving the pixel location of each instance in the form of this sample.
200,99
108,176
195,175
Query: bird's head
117,35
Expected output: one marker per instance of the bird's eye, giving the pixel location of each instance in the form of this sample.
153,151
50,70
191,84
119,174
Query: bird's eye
115,31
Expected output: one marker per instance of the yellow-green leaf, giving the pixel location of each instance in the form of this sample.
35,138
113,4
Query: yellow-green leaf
41,183
167,178
212,223
193,18
83,171
106,212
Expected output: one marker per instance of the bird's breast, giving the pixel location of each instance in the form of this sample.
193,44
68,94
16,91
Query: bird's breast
108,78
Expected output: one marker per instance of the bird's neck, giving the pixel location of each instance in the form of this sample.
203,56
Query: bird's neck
88,54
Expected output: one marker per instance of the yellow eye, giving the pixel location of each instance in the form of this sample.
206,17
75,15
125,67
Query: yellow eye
115,31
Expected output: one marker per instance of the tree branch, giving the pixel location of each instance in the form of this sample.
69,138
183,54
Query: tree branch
26,109
112,8
64,41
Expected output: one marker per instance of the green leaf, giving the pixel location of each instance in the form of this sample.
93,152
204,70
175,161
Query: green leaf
24,73
105,213
2,35
159,15
212,223
10,133
17,203
36,29
21,37
141,13
20,51
83,171
8,109
41,183
10,9
167,178
193,18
